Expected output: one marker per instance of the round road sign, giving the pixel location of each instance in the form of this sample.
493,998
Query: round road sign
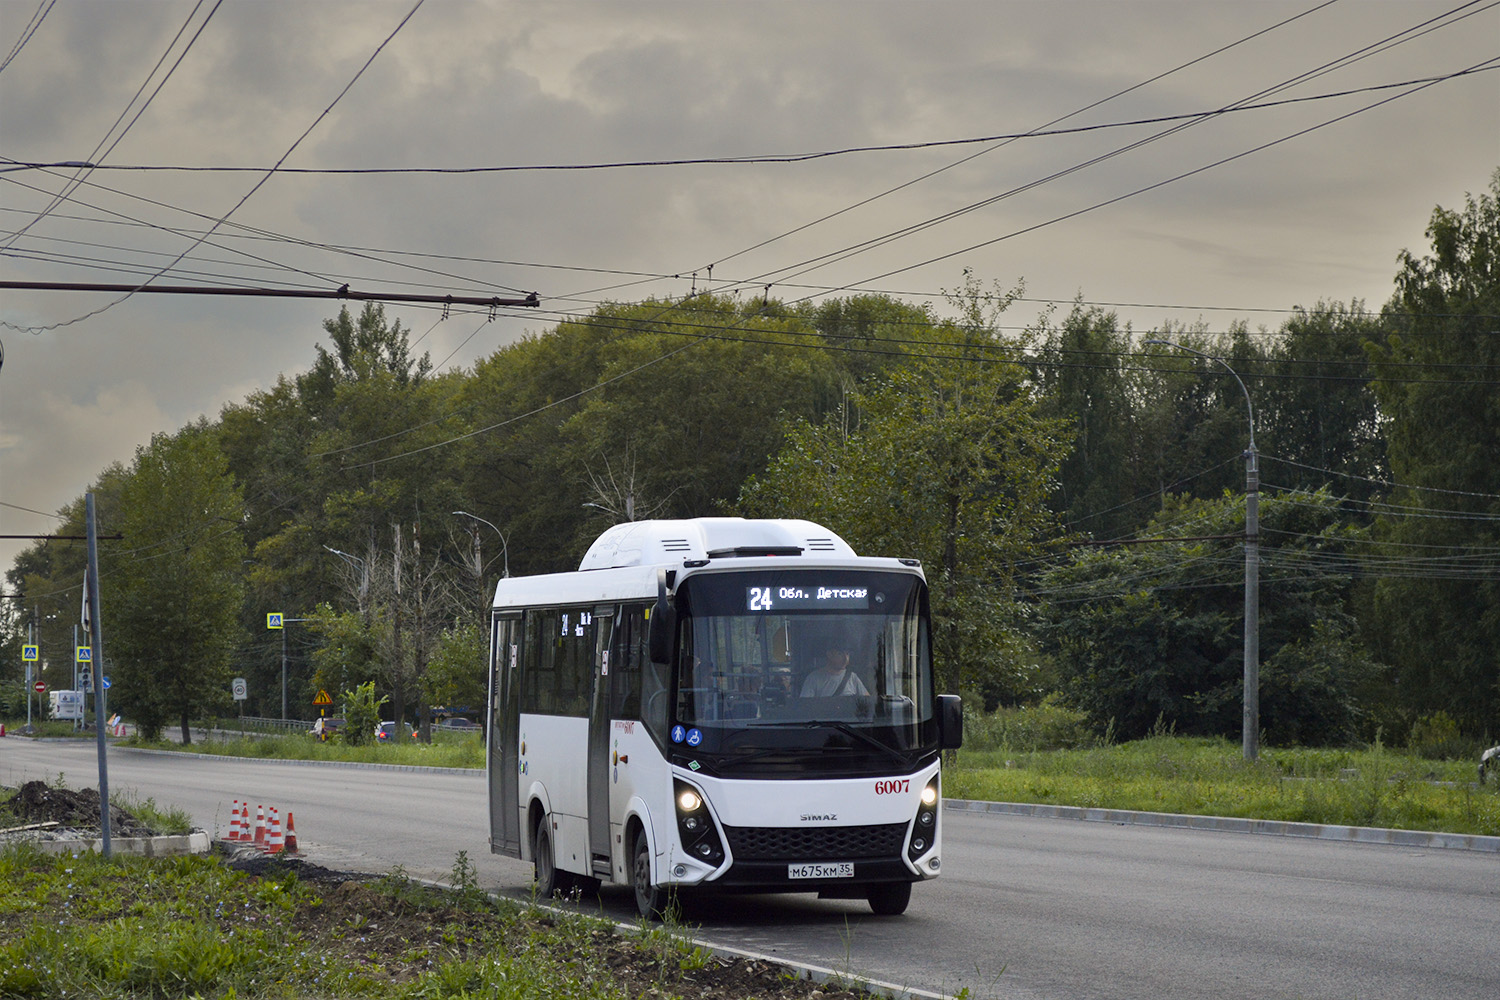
39,687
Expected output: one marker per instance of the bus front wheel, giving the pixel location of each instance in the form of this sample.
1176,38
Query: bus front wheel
650,900
889,899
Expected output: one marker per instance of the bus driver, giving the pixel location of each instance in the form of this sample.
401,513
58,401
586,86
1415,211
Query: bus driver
834,677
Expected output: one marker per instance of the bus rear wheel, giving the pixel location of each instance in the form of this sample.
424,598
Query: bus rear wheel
650,900
544,860
889,899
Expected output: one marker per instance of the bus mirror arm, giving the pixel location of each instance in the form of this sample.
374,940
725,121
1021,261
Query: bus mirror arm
663,623
950,721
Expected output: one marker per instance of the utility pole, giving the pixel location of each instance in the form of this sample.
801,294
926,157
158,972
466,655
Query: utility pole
1250,723
101,697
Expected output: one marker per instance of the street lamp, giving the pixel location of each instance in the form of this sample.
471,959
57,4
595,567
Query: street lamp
1250,733
504,544
364,573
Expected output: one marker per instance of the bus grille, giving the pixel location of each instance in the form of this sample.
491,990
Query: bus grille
837,843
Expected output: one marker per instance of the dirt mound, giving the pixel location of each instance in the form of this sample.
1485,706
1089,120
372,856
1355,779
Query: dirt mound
275,865
39,802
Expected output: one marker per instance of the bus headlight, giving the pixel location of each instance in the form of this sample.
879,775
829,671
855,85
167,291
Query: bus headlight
925,830
695,827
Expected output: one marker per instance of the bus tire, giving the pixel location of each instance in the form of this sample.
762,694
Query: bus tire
650,900
889,899
549,881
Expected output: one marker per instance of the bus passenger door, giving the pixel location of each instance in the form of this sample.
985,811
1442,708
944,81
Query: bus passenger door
503,735
598,752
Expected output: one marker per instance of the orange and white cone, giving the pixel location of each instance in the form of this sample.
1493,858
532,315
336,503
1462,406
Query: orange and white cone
260,825
291,834
234,822
275,844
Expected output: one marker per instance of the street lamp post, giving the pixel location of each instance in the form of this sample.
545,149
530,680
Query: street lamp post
364,573
1250,732
504,544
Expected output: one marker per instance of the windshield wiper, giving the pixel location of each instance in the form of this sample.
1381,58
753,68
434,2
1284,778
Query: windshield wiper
848,730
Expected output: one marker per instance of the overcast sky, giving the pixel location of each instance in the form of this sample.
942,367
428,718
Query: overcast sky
1315,201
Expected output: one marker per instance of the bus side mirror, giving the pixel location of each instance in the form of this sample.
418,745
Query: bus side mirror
663,624
950,721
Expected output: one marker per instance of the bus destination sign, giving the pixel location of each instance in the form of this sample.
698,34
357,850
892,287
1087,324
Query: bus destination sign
807,597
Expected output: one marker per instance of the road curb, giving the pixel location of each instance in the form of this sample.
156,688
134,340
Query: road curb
1231,824
197,842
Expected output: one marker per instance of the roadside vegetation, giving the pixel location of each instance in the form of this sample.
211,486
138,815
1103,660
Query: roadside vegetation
1047,754
445,750
207,926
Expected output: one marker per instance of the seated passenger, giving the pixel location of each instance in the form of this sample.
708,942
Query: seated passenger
834,677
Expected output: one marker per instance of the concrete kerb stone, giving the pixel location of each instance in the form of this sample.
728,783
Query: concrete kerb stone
197,842
1231,824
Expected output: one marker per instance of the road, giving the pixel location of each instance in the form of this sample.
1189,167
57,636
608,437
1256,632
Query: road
1026,908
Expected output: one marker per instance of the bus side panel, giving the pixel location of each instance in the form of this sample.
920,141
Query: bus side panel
554,756
637,771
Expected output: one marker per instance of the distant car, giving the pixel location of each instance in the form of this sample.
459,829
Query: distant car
384,731
326,728
1489,760
460,725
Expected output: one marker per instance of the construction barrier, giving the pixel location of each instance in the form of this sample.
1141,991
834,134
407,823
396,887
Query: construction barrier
268,834
275,843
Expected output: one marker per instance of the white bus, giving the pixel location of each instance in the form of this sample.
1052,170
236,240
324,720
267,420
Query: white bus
719,704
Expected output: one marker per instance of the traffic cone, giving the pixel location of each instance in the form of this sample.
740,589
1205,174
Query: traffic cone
291,834
245,822
234,822
260,825
275,844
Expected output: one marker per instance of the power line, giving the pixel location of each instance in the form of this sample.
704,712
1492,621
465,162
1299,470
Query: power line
750,159
37,17
256,187
86,168
344,292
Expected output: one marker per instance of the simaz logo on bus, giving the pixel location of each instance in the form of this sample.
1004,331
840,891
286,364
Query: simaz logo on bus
893,787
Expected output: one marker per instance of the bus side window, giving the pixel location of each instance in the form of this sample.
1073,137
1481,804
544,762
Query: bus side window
640,687
625,656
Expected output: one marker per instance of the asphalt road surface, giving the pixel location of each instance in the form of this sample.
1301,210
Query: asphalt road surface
1026,908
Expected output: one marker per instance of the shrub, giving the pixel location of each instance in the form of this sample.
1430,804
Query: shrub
1045,726
361,714
1436,737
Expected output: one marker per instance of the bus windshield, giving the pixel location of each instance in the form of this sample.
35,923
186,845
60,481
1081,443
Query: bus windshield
773,661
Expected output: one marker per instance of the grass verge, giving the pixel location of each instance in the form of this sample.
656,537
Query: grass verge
1173,774
447,750
196,927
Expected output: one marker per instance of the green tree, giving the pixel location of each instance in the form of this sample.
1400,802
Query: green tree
1439,391
457,674
1084,381
171,598
1154,633
1317,419
950,460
